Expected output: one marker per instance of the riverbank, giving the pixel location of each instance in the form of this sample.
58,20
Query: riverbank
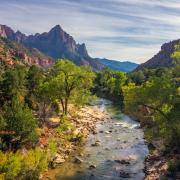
79,124
157,163
115,150
158,166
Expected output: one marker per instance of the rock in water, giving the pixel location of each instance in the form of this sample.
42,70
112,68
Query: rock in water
92,166
58,159
122,161
97,143
78,160
124,174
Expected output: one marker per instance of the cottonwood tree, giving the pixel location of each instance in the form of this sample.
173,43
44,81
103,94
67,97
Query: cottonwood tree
70,84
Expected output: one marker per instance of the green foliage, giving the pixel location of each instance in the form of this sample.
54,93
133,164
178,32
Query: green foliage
34,78
110,83
23,166
173,166
10,165
20,120
68,84
2,123
35,163
138,77
156,103
65,125
51,148
13,83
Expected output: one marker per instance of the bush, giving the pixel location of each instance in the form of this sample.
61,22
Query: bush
20,120
65,125
173,166
35,162
10,165
19,166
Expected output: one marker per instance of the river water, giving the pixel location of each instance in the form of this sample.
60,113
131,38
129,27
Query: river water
119,154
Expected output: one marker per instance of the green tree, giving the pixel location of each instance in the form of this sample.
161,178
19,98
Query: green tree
70,83
20,122
109,83
156,101
13,83
35,76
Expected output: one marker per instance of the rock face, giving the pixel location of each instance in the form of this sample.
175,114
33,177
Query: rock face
162,58
14,53
56,43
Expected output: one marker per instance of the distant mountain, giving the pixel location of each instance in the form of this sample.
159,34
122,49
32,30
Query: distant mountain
125,66
162,58
12,53
56,43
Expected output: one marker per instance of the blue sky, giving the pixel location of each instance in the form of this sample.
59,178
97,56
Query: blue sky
116,29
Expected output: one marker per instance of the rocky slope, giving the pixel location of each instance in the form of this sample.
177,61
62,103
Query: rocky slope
162,58
56,43
125,66
14,53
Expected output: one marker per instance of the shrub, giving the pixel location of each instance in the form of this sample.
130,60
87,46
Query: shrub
19,166
173,166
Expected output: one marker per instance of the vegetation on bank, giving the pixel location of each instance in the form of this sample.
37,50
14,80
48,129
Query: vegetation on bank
109,83
153,97
29,97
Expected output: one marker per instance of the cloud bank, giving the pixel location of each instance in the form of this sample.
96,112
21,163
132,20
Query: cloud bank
116,29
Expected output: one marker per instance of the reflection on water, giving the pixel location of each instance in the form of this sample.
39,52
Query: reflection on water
120,154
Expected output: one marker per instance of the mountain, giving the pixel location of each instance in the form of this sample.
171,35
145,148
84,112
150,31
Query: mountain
12,52
125,66
162,58
56,43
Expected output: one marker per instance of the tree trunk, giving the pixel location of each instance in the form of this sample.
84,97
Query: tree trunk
62,104
66,106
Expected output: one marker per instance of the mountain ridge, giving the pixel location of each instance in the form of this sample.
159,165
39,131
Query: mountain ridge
125,66
56,43
162,58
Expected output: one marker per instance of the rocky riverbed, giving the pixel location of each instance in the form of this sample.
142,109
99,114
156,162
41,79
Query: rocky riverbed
115,148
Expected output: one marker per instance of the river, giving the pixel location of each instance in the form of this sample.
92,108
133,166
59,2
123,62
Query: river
116,152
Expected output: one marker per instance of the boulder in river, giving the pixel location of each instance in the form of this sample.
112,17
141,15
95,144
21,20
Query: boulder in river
92,166
122,161
97,143
58,159
107,132
124,174
78,160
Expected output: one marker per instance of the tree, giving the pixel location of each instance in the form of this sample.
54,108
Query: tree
70,83
157,100
19,121
14,80
34,77
137,77
109,83
45,95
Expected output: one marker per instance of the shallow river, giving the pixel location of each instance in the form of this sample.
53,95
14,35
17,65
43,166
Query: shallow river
119,154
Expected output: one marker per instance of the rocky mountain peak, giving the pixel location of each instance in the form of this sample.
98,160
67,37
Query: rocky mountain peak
162,58
6,32
56,28
55,43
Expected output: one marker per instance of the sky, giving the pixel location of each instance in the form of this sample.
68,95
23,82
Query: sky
131,30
